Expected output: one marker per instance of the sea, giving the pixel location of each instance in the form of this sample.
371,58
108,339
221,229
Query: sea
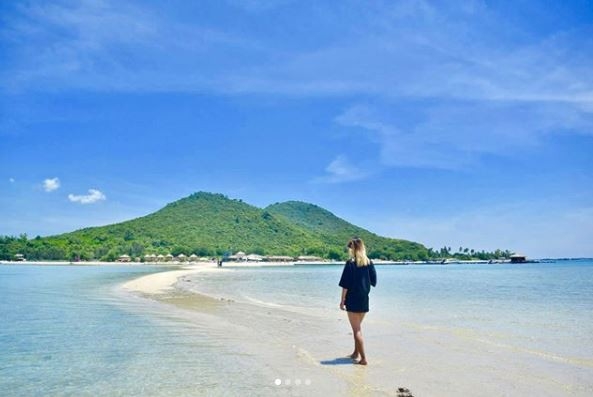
433,330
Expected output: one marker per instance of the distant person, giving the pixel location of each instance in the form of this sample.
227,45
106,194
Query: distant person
357,277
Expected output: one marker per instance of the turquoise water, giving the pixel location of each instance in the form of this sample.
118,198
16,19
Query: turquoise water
68,331
545,306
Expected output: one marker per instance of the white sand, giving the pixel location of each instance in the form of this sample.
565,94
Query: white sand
159,283
163,282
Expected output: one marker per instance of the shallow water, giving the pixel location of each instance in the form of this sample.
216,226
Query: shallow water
528,327
438,330
68,331
544,306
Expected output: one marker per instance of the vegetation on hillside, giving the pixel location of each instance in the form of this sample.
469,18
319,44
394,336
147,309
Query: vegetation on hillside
208,224
336,232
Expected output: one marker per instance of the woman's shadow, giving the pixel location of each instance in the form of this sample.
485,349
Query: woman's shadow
337,361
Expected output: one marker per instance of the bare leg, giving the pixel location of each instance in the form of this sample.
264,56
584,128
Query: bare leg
363,359
355,325
355,322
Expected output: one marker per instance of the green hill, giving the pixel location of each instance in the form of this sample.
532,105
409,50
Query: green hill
336,232
210,224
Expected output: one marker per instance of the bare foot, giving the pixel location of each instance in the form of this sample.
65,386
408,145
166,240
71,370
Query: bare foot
354,356
362,361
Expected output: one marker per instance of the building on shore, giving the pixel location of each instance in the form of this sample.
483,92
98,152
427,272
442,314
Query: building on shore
124,258
254,258
280,258
518,258
19,257
239,256
309,258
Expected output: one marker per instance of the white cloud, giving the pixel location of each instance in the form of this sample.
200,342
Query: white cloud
78,45
409,49
11,180
341,169
452,135
51,184
93,197
483,70
427,52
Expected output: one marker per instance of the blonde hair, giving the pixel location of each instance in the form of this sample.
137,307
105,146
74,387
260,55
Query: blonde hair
358,252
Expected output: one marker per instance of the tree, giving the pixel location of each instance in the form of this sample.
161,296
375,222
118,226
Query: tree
334,255
136,249
179,249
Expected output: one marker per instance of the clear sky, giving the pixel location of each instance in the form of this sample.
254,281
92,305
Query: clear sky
461,125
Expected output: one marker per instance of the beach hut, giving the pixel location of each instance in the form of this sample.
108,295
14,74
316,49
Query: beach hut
19,257
124,258
240,256
254,258
309,258
181,257
518,258
160,258
193,258
280,258
169,258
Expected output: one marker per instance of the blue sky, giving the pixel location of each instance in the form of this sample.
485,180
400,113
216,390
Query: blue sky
461,125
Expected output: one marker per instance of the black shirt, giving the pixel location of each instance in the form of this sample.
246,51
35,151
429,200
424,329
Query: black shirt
358,280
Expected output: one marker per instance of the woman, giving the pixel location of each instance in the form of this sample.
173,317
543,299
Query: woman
357,277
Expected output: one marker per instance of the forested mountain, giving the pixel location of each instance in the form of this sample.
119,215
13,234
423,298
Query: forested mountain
336,232
208,224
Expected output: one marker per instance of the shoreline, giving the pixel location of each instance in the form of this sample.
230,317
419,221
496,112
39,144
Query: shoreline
163,264
239,264
379,262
